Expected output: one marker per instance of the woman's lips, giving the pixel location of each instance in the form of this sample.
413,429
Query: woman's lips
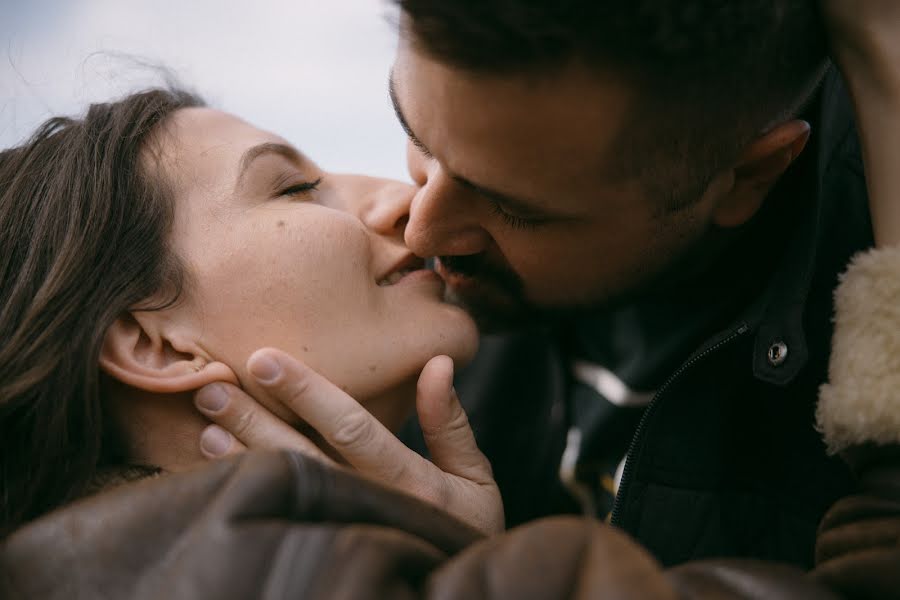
401,270
408,276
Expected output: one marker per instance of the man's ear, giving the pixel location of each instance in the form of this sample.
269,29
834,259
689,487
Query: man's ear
759,168
137,353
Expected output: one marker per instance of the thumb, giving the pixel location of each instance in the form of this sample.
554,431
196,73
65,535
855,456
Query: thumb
445,425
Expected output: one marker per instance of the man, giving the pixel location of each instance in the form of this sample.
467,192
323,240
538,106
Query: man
657,198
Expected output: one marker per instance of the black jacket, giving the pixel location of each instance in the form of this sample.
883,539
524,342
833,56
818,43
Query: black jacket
726,461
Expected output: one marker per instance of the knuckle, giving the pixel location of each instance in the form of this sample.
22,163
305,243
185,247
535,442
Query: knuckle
457,425
245,423
298,387
354,430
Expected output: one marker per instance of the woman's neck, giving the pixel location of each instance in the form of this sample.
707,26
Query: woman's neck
162,430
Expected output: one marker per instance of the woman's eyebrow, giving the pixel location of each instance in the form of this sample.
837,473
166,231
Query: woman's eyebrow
255,152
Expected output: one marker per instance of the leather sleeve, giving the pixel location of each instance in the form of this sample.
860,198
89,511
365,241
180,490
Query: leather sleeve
283,526
858,547
258,526
566,557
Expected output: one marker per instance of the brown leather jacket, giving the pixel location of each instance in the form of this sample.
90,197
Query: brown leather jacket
283,526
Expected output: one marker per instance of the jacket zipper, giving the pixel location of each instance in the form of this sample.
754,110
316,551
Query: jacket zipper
629,456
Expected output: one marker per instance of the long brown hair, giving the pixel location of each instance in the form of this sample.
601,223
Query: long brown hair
84,223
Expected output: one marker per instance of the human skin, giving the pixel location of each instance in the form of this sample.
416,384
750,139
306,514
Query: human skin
272,262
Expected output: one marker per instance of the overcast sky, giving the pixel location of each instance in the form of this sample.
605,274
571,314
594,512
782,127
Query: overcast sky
313,71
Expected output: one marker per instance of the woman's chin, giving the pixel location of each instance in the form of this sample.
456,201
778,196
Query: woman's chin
461,337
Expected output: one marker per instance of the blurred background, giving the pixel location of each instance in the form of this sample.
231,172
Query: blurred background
312,71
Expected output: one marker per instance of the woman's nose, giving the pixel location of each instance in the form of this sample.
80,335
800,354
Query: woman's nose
387,211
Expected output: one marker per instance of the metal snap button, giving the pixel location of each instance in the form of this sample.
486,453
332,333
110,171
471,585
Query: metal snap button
777,354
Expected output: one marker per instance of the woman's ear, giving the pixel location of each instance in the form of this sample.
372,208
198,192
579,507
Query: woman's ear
757,171
137,353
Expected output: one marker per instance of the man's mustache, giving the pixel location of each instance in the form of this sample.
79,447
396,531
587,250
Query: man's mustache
476,266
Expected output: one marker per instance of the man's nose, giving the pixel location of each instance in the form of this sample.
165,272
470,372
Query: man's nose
443,219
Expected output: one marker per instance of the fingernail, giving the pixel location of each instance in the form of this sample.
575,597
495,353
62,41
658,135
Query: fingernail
215,440
212,397
265,368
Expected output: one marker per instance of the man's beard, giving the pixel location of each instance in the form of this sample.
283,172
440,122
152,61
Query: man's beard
497,299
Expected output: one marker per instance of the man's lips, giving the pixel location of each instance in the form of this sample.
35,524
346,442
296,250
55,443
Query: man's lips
481,285
453,278
468,285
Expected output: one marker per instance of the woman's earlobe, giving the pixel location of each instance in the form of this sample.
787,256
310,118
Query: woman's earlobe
136,355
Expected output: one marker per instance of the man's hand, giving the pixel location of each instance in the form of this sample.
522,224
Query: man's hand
459,479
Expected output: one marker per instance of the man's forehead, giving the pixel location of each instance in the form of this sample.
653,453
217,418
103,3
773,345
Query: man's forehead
558,127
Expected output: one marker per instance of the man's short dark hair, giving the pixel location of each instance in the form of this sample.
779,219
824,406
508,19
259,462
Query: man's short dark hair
714,73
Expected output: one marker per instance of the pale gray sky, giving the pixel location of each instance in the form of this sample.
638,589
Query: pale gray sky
313,71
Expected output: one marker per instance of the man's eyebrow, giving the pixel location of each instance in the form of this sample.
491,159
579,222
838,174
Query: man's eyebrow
392,91
255,152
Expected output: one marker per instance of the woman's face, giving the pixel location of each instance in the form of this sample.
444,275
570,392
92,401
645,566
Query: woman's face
280,253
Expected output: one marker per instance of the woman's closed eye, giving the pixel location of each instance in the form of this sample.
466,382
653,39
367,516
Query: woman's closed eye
300,188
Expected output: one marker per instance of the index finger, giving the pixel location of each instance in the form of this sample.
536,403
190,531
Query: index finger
349,428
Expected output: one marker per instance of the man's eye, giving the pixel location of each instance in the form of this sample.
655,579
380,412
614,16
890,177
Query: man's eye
301,188
512,220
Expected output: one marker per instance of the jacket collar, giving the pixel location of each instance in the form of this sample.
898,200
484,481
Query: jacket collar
780,346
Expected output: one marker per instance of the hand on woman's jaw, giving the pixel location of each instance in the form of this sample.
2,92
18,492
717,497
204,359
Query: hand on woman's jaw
458,478
151,384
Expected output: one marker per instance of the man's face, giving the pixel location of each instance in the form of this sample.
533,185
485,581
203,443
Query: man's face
522,194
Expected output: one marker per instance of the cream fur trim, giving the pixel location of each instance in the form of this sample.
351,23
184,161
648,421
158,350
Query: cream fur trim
861,402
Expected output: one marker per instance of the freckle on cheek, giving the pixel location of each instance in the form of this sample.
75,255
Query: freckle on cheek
306,348
281,223
373,368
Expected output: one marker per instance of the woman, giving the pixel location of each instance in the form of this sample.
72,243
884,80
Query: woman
148,249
